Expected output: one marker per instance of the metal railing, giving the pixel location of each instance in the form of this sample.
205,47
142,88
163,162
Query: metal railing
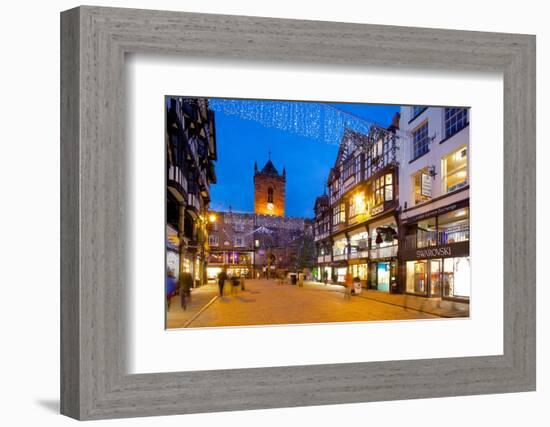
425,239
359,254
384,252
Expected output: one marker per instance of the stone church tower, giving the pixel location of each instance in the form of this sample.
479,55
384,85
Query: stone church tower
269,190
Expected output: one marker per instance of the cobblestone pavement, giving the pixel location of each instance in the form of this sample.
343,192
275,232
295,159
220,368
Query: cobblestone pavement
264,302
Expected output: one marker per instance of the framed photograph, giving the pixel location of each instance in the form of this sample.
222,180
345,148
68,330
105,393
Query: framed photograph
279,213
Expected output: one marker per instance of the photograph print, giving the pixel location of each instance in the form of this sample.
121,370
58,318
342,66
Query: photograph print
286,212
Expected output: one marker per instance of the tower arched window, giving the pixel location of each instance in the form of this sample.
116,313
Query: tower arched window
270,195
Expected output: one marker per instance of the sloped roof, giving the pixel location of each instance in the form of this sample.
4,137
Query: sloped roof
270,169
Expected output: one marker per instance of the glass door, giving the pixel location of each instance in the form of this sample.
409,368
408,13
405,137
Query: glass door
435,278
420,278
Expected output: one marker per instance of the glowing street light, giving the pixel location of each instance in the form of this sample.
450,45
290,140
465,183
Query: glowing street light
212,218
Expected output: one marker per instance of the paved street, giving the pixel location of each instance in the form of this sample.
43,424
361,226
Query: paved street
177,317
264,302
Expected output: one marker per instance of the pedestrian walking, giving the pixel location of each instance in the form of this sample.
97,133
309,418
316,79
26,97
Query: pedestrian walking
186,283
301,280
348,283
170,287
222,277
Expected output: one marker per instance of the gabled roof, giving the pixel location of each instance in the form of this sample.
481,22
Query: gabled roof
321,201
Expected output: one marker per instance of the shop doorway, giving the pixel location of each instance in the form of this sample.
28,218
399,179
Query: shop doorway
435,277
383,276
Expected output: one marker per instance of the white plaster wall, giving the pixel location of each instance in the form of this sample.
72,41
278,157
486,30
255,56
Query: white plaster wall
435,117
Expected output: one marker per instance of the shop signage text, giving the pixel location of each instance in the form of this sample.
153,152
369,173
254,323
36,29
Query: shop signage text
434,252
434,212
426,188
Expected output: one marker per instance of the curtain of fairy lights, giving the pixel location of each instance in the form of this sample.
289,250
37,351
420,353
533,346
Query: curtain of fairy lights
319,121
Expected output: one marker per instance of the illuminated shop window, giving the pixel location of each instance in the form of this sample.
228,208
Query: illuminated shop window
456,277
420,194
426,234
454,227
360,271
455,170
358,205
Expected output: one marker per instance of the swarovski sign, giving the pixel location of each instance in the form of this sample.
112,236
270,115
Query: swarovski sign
434,252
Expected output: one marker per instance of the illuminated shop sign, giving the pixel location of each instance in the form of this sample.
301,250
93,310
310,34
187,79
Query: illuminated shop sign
426,189
436,212
434,252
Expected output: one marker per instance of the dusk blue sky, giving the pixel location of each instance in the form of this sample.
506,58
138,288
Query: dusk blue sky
241,142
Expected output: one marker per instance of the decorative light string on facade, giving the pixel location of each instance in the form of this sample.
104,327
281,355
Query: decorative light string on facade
319,121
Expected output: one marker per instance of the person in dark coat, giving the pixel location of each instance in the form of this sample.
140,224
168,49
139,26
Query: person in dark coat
170,286
222,277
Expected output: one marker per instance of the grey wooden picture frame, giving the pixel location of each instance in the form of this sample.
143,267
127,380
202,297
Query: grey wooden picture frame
94,42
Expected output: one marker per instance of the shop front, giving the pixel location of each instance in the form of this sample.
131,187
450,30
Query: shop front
360,270
447,278
340,274
382,275
383,255
435,259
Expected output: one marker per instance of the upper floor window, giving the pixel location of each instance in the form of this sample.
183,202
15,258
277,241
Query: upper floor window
239,241
335,190
455,170
213,240
455,120
238,226
383,189
420,141
357,205
270,195
339,214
